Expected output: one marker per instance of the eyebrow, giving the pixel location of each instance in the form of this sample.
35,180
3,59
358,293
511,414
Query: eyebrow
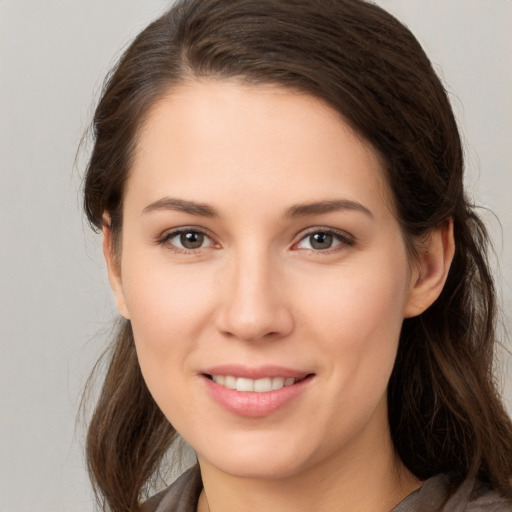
319,207
181,205
295,211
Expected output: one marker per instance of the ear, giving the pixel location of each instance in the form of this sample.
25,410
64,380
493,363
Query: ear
113,262
431,269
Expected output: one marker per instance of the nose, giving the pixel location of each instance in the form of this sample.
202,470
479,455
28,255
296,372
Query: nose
253,305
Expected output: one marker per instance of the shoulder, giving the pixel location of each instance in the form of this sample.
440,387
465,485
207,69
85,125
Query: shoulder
180,496
439,494
483,499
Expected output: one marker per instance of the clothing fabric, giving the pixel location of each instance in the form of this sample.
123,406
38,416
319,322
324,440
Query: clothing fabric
435,495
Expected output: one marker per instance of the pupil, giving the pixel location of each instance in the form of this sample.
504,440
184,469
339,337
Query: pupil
321,240
192,240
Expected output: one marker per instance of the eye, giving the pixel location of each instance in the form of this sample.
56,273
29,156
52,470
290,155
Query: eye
187,239
323,240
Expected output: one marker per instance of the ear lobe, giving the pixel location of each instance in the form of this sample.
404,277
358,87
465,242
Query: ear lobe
113,267
431,269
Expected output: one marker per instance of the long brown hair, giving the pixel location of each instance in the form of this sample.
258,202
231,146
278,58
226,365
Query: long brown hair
444,410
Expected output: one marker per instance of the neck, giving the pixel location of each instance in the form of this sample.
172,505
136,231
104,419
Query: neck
376,480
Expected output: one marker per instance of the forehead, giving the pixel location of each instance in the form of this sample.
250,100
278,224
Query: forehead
208,137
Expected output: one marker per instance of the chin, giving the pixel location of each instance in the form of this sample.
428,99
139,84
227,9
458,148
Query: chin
258,457
259,468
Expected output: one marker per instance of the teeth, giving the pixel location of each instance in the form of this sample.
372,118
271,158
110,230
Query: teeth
244,384
262,385
277,382
258,385
229,382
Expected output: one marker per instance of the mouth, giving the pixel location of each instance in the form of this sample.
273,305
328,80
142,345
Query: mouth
259,396
263,385
255,392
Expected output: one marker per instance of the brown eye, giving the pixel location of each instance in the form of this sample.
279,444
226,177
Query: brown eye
191,239
184,240
319,241
324,240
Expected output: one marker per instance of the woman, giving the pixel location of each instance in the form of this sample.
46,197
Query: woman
305,288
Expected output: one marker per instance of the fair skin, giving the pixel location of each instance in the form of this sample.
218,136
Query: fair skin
259,243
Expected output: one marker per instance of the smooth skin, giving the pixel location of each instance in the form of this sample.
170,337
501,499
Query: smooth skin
258,229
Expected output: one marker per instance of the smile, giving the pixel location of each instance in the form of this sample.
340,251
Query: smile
253,385
255,391
259,396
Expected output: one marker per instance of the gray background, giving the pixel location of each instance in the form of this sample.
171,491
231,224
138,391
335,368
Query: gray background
55,306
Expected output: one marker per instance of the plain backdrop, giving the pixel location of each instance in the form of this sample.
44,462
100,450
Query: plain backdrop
55,305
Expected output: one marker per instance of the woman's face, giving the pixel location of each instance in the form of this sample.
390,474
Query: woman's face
260,252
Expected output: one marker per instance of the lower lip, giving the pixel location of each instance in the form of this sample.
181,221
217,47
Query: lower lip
253,404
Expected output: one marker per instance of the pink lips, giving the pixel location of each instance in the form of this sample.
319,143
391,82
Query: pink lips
254,404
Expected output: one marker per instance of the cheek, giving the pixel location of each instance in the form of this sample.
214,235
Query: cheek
168,310
358,323
358,303
168,307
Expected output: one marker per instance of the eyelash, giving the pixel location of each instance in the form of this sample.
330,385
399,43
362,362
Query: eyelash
165,240
344,240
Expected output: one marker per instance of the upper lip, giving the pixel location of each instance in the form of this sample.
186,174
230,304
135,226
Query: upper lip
260,372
